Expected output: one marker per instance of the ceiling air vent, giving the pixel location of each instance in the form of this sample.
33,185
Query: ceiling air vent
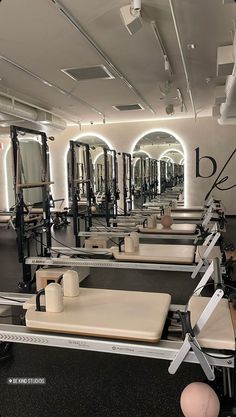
126,107
88,73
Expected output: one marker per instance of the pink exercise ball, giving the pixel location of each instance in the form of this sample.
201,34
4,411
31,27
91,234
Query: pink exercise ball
93,209
166,221
199,400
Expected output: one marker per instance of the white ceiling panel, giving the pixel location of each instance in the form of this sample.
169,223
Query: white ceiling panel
35,35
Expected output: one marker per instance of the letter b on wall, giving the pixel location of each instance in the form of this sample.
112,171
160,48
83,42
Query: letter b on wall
211,165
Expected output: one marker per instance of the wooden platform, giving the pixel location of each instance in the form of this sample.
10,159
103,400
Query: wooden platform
180,229
53,210
215,253
218,333
194,215
177,209
174,254
130,315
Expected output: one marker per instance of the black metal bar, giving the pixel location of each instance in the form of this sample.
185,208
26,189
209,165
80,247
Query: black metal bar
19,129
88,186
74,191
130,182
107,189
115,183
46,194
125,192
149,179
142,175
127,180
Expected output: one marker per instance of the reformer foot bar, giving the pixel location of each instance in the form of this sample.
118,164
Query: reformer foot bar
212,330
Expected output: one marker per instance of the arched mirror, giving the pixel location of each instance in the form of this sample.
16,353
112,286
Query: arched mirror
164,148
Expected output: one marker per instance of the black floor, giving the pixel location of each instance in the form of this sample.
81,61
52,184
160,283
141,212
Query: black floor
90,384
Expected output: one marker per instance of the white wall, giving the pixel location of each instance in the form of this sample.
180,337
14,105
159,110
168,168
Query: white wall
205,133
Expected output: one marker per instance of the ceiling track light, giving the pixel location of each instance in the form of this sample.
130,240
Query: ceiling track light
157,34
183,59
75,23
47,83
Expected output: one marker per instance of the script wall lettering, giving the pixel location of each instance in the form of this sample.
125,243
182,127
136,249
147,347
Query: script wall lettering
219,168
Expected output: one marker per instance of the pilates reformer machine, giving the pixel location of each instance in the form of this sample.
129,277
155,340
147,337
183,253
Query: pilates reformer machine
112,193
58,213
145,179
127,183
162,177
106,184
184,223
175,206
30,185
175,232
81,186
182,258
140,183
149,228
132,323
92,194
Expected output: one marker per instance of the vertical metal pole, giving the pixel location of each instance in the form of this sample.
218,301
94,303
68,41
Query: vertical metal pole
46,195
130,183
115,181
88,185
149,179
143,184
19,200
124,183
107,189
127,183
75,214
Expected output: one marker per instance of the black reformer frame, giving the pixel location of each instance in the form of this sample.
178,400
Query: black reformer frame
24,233
111,184
143,179
127,183
154,178
162,176
77,182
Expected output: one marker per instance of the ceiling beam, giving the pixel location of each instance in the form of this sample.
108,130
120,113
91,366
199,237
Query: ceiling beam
182,57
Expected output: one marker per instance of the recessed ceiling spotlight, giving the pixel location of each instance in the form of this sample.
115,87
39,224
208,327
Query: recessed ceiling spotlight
191,46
